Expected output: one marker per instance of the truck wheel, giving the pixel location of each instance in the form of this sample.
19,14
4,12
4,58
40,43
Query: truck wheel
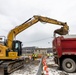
69,65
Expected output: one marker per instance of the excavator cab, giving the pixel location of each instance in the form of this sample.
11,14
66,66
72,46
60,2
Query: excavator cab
17,47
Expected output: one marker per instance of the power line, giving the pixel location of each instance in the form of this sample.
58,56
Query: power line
38,40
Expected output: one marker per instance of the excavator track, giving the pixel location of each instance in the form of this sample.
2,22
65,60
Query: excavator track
8,67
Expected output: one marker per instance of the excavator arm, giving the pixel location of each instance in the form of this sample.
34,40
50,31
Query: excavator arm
62,31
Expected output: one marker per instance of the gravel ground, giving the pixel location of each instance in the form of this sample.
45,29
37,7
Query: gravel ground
53,68
28,69
32,67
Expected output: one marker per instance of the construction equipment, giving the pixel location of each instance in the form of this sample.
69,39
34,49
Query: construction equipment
11,50
64,48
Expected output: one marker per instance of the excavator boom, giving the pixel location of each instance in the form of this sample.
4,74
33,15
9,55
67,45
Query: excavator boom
62,31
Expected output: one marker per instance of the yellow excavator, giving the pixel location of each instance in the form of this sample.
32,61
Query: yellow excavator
11,50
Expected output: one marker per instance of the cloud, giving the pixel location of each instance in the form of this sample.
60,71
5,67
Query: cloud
15,12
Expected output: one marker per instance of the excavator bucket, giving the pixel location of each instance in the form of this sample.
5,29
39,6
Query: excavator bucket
61,31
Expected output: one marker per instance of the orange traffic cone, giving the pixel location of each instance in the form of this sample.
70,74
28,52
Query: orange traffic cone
44,68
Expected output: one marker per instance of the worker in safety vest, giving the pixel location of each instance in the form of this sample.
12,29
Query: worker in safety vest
48,55
33,56
36,55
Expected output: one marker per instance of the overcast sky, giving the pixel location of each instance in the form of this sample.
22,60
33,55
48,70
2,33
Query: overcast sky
15,12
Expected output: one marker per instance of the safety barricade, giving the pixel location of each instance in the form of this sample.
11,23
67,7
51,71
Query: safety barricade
45,67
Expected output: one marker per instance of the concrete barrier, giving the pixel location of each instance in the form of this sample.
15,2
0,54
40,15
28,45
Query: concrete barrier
39,72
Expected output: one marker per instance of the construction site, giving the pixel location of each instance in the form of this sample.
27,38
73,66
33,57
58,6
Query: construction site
37,37
58,60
